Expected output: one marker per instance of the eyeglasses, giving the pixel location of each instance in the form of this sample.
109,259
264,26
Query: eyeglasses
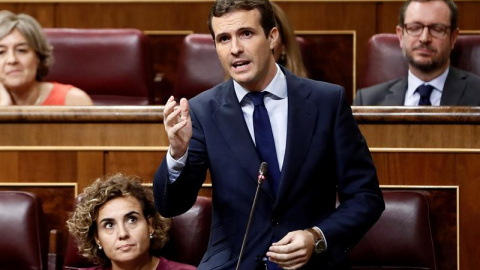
437,30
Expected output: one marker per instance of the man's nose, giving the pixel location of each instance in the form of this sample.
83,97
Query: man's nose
425,36
236,46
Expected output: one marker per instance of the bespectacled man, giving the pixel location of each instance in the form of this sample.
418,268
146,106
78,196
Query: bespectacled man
427,32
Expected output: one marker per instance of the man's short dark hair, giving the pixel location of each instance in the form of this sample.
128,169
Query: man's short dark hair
451,5
222,7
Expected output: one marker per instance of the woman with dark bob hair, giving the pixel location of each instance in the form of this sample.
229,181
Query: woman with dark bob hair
117,226
25,59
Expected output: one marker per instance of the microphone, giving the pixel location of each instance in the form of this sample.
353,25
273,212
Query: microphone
260,178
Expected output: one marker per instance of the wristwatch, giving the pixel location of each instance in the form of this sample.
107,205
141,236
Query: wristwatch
319,244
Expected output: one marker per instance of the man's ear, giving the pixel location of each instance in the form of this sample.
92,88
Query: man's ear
399,32
454,37
273,36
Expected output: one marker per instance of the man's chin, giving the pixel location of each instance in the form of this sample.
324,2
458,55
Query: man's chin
240,77
425,66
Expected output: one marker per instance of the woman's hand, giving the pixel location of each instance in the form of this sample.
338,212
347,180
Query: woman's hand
5,98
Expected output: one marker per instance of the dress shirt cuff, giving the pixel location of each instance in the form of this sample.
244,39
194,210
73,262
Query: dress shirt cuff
175,167
321,233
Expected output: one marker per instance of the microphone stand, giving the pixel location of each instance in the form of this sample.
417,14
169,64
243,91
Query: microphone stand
261,177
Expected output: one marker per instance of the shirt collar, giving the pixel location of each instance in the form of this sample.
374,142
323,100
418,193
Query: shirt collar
438,82
277,87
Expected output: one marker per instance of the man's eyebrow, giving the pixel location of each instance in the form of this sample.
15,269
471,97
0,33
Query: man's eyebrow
245,28
241,29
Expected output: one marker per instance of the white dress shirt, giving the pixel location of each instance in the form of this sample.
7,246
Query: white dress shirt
276,103
412,97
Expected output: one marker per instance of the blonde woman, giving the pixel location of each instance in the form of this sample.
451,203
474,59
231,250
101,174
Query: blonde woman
25,58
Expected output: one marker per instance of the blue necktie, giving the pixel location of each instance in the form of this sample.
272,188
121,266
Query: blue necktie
264,141
425,90
265,145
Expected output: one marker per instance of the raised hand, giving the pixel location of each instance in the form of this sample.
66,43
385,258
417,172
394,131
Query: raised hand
178,126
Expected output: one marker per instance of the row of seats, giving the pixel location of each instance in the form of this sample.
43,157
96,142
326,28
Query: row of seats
385,60
114,66
401,239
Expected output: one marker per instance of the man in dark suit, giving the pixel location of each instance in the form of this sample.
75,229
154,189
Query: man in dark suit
317,149
427,32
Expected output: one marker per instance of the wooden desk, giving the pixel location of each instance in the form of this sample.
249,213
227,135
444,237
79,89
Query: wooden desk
57,151
437,148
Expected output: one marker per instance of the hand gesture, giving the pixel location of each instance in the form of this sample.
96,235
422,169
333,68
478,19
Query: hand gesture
5,98
292,251
178,126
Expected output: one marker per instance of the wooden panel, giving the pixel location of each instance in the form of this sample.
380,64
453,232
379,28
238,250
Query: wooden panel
38,166
415,168
144,16
143,164
90,166
8,6
47,166
327,50
165,49
8,166
468,174
422,136
94,134
44,13
387,19
468,18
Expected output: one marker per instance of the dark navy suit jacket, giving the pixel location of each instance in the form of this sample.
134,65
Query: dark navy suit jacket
325,152
461,89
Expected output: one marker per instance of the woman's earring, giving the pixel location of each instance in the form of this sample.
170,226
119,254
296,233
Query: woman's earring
283,56
99,246
151,236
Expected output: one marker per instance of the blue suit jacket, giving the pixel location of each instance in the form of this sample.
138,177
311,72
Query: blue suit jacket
325,152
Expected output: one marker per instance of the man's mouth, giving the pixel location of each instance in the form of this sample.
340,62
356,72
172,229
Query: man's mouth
426,49
240,64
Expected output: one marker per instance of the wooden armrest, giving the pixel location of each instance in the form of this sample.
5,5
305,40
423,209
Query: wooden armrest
55,251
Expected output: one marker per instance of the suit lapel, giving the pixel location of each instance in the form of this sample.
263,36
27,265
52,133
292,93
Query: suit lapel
396,93
300,126
454,87
236,135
